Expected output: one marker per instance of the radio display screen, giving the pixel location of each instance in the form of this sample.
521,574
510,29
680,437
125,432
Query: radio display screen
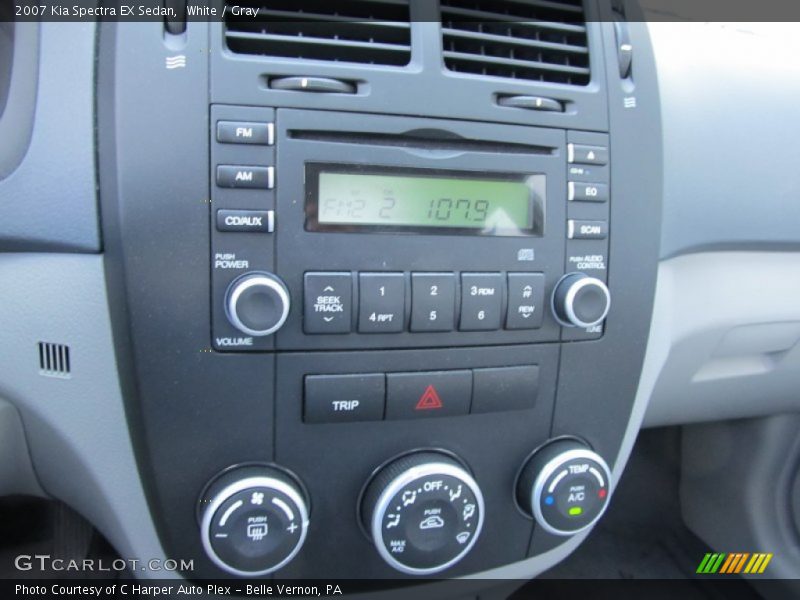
357,198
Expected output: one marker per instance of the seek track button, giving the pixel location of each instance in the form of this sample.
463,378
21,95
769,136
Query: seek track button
328,303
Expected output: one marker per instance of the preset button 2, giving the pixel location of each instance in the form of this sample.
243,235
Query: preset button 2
381,302
433,299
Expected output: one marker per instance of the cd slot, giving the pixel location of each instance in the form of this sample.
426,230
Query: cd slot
427,139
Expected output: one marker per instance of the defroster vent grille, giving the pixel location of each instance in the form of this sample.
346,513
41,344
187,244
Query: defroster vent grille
535,40
351,31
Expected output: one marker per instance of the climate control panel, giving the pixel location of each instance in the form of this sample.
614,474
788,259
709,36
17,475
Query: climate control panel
422,511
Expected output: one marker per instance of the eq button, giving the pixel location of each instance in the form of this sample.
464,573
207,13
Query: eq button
587,192
381,303
481,301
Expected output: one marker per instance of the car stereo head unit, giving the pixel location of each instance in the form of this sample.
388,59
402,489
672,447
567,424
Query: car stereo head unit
399,232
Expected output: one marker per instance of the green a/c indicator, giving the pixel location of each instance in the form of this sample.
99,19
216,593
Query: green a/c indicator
575,511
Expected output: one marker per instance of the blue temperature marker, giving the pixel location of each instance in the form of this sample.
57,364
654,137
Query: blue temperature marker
549,501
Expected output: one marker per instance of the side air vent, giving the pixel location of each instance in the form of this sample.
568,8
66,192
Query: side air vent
54,360
537,40
376,32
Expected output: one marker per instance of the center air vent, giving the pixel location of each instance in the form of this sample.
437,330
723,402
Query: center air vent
538,40
353,31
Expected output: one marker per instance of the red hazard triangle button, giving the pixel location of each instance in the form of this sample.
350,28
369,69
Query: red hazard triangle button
428,395
429,400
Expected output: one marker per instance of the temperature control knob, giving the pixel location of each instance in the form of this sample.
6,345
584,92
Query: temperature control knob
580,300
564,486
253,520
257,304
424,512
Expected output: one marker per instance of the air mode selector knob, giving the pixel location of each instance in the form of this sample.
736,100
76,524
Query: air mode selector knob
580,301
253,520
257,303
564,486
424,512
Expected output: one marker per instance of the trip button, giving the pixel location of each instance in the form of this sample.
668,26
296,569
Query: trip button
235,176
344,398
433,299
525,300
587,155
481,301
245,132
587,192
255,221
381,302
432,394
328,303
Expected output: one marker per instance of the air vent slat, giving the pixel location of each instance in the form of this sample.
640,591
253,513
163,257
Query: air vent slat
289,16
529,64
358,31
514,41
467,14
535,40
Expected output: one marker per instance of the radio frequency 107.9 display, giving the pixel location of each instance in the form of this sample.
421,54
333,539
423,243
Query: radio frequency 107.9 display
354,198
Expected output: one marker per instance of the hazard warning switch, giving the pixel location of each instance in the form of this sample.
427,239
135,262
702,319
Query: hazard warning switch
429,400
428,394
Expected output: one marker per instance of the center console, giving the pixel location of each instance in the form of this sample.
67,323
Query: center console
377,321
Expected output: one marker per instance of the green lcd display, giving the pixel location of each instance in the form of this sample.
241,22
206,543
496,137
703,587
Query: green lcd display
416,200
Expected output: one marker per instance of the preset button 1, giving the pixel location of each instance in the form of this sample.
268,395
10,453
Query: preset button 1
381,302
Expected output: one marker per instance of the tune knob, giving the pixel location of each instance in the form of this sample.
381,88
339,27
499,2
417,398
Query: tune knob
565,487
580,301
257,303
253,520
424,512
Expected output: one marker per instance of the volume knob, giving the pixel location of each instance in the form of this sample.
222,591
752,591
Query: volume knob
580,300
257,304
